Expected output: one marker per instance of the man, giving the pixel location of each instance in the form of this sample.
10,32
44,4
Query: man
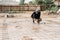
36,16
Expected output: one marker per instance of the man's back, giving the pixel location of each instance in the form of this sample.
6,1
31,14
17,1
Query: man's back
36,15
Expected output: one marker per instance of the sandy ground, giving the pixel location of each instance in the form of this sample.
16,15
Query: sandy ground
22,28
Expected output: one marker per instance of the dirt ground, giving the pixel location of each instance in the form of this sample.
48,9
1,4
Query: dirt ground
21,27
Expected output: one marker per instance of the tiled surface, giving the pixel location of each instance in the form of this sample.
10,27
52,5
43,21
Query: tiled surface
24,29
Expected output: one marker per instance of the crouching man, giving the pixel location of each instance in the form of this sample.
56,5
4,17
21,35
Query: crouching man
36,16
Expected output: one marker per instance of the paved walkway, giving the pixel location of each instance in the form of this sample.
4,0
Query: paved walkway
24,29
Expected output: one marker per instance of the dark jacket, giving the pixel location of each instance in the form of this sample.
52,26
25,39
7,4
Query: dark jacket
36,15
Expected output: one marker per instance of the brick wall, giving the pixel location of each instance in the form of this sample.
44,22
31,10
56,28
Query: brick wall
4,8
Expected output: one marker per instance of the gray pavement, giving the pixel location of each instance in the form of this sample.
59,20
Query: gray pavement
25,29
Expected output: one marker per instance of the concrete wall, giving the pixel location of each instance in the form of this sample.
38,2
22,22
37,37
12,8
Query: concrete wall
57,2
